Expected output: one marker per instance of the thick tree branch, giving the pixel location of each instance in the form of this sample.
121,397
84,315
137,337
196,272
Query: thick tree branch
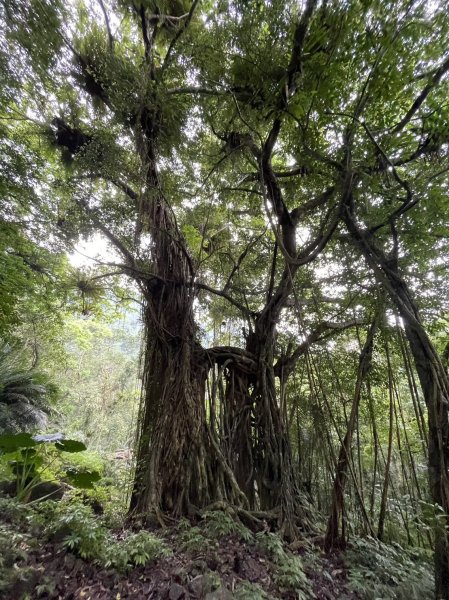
320,200
300,170
201,91
293,75
295,66
245,360
145,33
124,187
312,250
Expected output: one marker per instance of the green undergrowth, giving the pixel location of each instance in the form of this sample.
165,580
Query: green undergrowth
389,571
76,527
250,591
213,526
86,535
289,570
373,570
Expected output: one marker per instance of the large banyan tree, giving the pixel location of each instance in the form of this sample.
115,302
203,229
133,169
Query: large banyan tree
222,148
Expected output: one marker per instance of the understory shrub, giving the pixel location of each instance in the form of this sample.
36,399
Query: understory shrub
136,549
218,523
214,525
192,539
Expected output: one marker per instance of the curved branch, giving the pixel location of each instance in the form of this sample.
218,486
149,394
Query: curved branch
223,294
220,354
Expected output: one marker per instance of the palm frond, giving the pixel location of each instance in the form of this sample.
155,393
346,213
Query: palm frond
25,395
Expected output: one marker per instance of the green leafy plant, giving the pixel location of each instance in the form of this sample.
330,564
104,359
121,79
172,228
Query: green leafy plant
14,511
25,395
78,528
82,532
430,516
192,539
137,549
30,459
290,574
215,525
272,544
14,575
47,586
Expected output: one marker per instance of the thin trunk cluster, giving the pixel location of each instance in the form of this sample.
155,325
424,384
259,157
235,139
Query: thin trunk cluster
434,382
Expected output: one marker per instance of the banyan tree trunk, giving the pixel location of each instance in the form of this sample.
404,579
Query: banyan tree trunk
179,466
255,436
277,484
172,454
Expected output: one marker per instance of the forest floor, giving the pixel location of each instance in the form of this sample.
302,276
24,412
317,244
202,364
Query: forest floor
204,562
233,570
210,560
